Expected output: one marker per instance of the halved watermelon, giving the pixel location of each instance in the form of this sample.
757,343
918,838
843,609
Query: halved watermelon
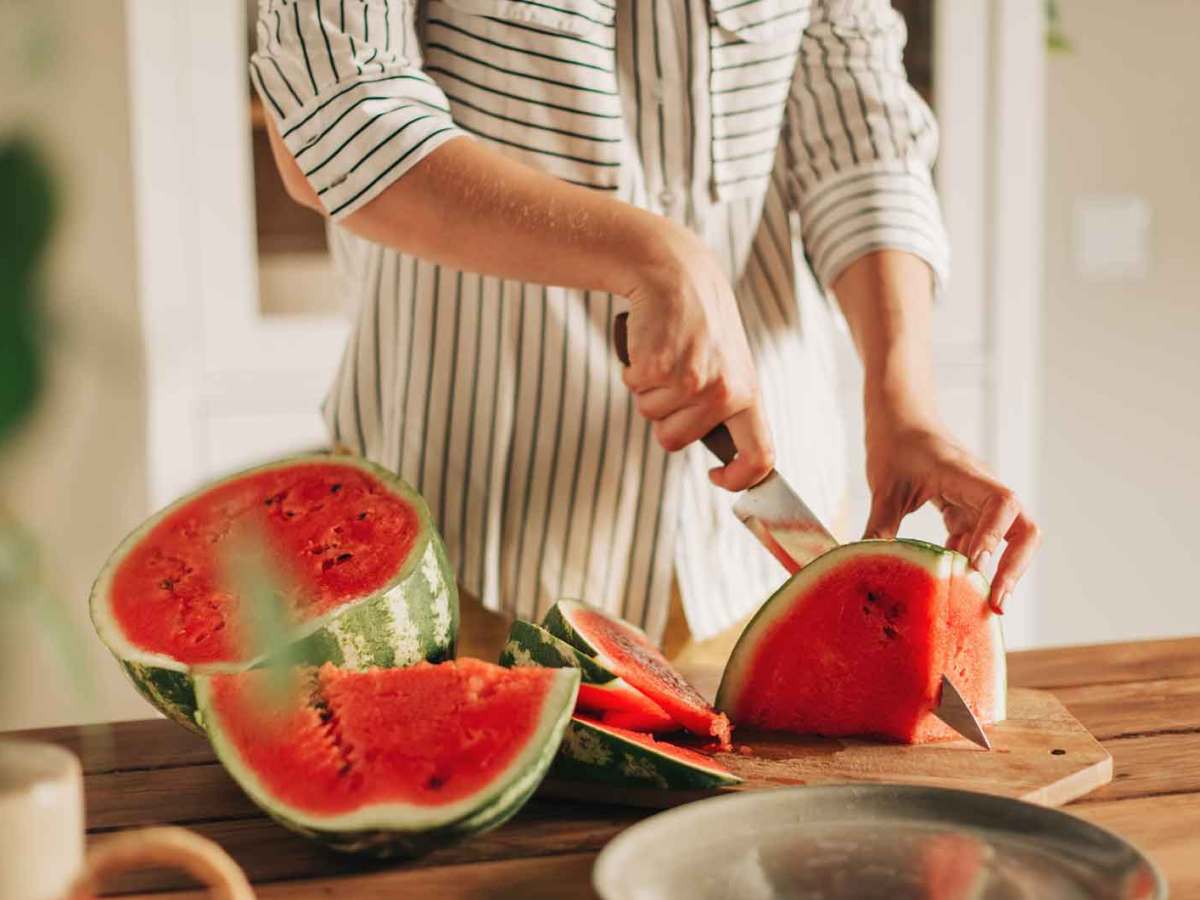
366,575
594,751
601,693
389,761
856,644
627,652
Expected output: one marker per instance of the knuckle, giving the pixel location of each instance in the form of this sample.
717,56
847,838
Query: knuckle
668,439
1007,502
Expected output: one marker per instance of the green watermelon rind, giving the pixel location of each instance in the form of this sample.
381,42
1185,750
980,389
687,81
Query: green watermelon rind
532,645
941,563
557,622
413,617
593,752
388,830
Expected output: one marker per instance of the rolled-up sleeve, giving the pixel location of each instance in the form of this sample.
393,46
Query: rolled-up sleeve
340,81
861,143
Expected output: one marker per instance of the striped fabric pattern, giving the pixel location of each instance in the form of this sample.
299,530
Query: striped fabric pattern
782,131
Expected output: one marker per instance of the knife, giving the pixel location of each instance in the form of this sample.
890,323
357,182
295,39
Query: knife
784,524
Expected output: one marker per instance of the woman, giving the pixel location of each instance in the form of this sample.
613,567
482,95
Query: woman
503,177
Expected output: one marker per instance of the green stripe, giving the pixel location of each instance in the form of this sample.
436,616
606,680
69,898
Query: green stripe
495,115
407,153
361,83
539,150
304,47
440,70
524,51
434,45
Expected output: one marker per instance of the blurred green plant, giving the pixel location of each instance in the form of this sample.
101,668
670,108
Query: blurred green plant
27,218
1056,38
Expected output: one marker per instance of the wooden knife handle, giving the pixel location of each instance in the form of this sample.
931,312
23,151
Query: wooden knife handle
719,441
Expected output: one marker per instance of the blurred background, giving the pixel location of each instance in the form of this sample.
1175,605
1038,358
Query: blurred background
166,314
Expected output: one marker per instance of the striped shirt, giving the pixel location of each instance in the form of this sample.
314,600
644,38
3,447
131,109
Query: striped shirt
782,131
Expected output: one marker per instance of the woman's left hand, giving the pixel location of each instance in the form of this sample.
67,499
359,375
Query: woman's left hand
911,463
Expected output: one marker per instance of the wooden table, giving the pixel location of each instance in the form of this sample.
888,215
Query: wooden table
1142,700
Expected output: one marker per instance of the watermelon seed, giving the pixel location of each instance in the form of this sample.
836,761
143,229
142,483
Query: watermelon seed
361,516
334,488
872,597
167,584
344,557
890,632
1058,751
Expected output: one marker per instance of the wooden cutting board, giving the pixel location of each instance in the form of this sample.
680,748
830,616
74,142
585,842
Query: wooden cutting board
1040,753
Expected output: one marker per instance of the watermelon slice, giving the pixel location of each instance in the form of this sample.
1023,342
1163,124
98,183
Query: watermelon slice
856,644
628,653
601,693
364,573
390,761
597,752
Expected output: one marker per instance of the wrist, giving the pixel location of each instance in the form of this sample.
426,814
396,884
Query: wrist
655,258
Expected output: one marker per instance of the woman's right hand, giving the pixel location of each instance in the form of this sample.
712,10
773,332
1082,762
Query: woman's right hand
690,364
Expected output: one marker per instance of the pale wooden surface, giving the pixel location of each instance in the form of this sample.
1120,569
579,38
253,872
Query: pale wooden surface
1041,753
1142,700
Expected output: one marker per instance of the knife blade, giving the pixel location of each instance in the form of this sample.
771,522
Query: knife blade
783,523
953,710
773,512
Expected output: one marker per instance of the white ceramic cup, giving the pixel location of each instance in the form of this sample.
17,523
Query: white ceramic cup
41,820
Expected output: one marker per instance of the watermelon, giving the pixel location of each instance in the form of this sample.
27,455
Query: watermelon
856,644
598,752
628,653
389,762
601,692
365,575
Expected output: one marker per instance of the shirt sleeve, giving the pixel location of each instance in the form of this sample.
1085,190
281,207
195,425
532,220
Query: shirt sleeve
340,81
861,143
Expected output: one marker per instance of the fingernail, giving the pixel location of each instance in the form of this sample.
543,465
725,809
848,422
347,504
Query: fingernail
982,558
998,607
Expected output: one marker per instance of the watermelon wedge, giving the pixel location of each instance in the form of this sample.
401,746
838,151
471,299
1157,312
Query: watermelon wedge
856,644
597,752
601,692
364,579
389,762
628,653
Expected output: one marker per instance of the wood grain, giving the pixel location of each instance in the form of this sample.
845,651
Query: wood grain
1166,828
566,877
1041,753
1136,707
122,746
268,852
1105,663
1151,766
1142,699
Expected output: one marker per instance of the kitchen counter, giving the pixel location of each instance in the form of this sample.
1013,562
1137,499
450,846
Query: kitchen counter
1140,699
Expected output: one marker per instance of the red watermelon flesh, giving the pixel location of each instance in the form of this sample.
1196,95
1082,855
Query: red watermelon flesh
337,531
654,723
857,642
976,662
628,706
336,741
684,754
630,655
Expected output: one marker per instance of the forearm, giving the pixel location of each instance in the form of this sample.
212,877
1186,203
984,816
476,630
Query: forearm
886,297
468,206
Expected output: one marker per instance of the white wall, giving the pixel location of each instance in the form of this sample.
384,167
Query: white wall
1120,468
77,475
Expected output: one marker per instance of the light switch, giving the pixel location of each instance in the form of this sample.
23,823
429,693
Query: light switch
1112,236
